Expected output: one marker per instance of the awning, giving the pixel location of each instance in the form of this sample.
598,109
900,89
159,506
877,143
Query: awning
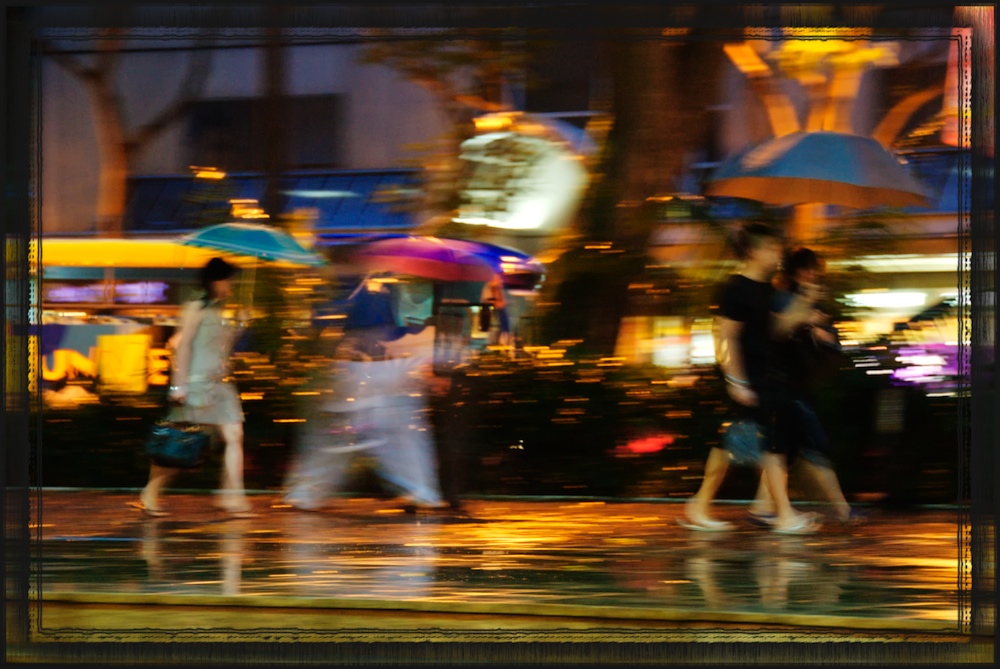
348,203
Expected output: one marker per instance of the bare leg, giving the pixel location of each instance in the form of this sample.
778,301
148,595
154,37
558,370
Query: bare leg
159,477
776,478
828,483
232,494
715,471
762,503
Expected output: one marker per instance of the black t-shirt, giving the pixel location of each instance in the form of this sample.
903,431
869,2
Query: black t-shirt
750,302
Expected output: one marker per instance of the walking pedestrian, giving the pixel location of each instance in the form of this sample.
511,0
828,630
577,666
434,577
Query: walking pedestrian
803,360
378,407
745,330
494,296
203,392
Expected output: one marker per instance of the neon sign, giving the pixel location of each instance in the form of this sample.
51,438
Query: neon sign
141,292
74,293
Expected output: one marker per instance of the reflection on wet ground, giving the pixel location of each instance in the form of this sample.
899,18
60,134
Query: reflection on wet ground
629,560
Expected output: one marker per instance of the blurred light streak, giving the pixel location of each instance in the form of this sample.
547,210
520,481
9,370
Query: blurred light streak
889,299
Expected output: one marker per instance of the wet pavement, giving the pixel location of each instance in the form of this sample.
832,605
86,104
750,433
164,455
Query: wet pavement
503,562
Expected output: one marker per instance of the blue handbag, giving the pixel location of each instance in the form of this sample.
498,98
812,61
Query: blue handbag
743,440
177,445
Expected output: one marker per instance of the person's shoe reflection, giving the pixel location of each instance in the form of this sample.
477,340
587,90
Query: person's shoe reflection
232,546
770,570
150,548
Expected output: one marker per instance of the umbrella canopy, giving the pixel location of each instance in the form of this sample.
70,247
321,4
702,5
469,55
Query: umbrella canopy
819,168
255,240
426,257
517,269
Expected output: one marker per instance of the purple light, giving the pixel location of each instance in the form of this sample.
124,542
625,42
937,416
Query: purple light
70,294
141,292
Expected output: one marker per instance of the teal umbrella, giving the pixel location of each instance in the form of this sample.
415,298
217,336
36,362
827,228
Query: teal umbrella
255,240
819,167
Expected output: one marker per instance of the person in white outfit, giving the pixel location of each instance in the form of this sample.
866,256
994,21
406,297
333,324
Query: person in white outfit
203,391
376,406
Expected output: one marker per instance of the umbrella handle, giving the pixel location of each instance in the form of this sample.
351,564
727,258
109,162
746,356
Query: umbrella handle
364,282
246,287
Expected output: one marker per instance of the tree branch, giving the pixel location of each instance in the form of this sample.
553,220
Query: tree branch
108,48
194,82
69,63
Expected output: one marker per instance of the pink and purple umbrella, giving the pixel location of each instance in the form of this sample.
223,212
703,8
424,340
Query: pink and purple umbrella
425,257
444,259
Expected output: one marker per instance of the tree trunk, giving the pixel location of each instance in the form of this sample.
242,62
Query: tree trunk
112,159
661,92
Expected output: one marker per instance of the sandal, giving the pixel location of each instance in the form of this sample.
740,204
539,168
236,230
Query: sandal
430,507
855,517
761,519
241,513
807,524
703,524
152,513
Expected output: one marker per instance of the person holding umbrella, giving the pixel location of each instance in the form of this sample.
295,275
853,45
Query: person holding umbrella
373,402
495,298
202,391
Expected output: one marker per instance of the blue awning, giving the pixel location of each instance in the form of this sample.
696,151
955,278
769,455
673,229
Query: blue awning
348,202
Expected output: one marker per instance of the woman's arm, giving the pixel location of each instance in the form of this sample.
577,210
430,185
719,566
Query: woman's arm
181,367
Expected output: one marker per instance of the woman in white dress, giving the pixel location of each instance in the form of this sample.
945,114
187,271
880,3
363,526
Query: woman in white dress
203,391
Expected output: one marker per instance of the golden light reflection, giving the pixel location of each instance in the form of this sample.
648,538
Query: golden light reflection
246,209
211,173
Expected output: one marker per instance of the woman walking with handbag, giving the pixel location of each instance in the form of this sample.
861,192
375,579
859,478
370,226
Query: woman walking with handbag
202,391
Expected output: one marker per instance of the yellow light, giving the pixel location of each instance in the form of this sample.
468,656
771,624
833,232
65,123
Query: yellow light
246,209
493,123
746,60
208,173
62,252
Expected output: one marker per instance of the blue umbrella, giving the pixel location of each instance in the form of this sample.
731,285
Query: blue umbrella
255,240
818,168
